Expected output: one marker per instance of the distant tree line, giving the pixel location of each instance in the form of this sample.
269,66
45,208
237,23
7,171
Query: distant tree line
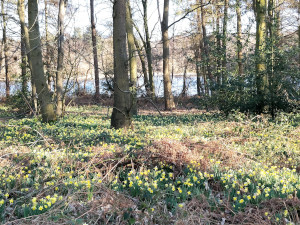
232,72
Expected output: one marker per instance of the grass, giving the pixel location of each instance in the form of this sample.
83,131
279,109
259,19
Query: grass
193,167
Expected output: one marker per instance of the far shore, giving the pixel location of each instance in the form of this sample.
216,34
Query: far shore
102,77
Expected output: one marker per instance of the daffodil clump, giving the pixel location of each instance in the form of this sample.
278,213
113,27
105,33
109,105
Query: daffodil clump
259,184
160,182
242,187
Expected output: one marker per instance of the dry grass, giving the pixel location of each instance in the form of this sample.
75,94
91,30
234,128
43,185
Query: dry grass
181,153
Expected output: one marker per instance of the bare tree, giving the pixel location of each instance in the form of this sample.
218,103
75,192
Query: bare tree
121,111
4,42
260,7
239,40
25,40
169,99
47,107
95,53
224,43
132,58
148,48
60,59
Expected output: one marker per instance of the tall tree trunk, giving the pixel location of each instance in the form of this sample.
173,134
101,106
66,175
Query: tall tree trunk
273,39
23,64
198,51
184,87
169,99
143,63
47,108
239,43
219,56
260,52
224,44
121,111
132,58
25,39
4,42
148,48
60,59
205,52
298,34
95,52
47,57
1,57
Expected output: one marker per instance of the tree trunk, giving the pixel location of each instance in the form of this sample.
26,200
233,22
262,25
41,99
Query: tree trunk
148,49
169,99
23,64
219,55
298,35
1,58
239,43
184,87
47,57
47,108
132,58
121,111
4,42
25,39
198,52
142,59
260,52
60,59
205,52
95,52
224,44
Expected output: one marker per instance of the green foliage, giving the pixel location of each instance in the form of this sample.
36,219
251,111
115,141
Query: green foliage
20,101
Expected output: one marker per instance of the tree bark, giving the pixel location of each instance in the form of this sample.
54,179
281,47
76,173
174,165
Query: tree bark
298,35
47,108
143,63
25,39
239,42
205,53
224,44
4,42
23,64
148,49
95,52
47,57
219,55
260,52
132,58
169,99
184,87
121,112
60,58
198,51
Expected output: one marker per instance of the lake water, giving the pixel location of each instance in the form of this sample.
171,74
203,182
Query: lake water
177,84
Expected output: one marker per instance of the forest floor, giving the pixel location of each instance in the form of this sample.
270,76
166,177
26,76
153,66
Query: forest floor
188,166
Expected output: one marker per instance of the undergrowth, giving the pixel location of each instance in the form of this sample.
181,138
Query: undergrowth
200,168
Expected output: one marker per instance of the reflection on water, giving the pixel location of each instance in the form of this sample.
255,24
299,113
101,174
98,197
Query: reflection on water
177,85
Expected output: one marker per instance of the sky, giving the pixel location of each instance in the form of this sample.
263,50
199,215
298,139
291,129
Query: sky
79,17
103,14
